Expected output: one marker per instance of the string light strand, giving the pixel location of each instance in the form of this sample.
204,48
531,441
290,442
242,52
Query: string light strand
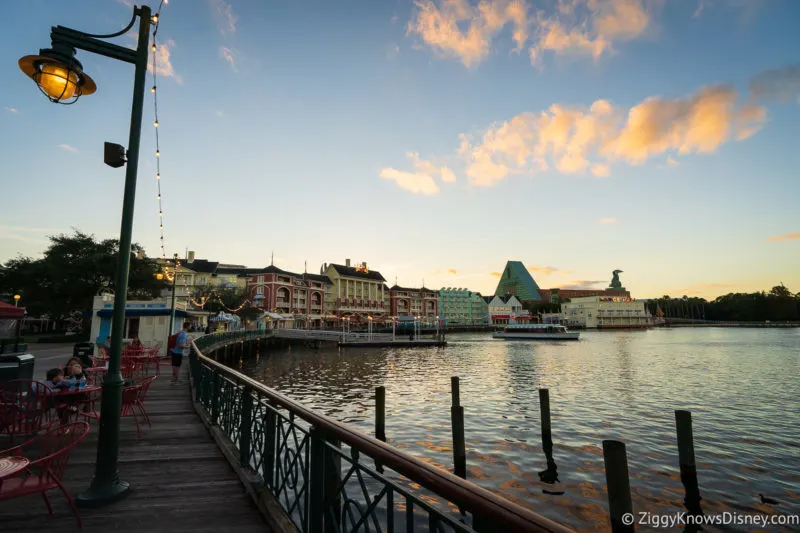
154,90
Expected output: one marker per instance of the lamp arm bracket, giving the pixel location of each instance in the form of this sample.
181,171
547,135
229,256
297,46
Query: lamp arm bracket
136,12
78,40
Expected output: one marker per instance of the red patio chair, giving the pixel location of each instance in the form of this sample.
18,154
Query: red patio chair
24,407
45,472
144,385
129,397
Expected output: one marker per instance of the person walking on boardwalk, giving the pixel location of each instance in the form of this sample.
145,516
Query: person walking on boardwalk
177,345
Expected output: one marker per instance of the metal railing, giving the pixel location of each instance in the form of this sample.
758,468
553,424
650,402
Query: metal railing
320,470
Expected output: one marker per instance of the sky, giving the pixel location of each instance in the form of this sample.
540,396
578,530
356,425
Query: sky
434,140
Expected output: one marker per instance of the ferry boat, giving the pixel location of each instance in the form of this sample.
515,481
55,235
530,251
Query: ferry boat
537,332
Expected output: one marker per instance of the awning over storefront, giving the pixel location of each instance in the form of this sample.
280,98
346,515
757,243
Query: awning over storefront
105,313
10,311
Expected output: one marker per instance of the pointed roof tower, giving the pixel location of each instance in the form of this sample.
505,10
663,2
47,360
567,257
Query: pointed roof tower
518,281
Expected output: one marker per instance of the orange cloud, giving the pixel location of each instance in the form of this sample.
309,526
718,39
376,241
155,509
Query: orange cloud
574,140
423,180
465,29
546,270
439,26
583,284
496,274
452,271
787,237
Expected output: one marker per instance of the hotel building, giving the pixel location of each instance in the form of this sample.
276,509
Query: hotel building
462,307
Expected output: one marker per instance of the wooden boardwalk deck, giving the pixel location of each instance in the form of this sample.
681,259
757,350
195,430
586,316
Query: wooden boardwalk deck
181,480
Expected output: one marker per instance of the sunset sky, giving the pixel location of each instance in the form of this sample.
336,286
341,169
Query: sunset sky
433,139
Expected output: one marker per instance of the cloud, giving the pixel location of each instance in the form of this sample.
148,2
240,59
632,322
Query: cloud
546,270
496,274
607,220
28,235
68,148
465,30
786,237
781,83
163,61
440,26
671,161
229,55
416,182
220,113
577,139
12,110
452,271
223,15
423,180
584,284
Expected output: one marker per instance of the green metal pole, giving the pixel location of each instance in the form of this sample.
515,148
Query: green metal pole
106,486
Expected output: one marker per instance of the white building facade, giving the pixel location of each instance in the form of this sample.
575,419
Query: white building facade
507,310
603,312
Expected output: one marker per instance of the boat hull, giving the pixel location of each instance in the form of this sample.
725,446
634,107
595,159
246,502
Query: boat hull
569,336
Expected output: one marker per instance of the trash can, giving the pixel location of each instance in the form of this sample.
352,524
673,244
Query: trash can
82,350
16,367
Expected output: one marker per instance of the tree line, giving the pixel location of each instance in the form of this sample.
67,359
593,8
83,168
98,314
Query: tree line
778,304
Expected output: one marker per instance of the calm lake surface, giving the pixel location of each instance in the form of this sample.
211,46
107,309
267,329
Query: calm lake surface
741,385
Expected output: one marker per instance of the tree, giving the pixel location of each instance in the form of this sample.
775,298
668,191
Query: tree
72,271
780,291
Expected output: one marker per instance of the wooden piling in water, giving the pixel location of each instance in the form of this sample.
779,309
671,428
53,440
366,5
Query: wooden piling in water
683,426
457,424
380,413
544,409
620,506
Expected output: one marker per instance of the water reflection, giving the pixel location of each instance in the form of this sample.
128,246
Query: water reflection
741,386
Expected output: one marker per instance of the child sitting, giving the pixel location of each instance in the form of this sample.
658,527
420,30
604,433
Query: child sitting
74,369
55,379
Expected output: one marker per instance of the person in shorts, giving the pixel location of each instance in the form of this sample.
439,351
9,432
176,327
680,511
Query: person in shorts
181,343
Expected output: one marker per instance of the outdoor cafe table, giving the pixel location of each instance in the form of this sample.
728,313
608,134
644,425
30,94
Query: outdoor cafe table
12,465
73,393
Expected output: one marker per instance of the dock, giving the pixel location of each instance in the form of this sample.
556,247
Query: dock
181,479
392,344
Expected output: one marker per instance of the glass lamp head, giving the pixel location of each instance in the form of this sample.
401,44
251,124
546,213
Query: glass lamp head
58,74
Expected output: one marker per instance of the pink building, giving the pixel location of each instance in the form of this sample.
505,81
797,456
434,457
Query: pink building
278,291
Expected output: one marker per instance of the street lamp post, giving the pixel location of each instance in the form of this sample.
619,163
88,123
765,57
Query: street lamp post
60,77
174,280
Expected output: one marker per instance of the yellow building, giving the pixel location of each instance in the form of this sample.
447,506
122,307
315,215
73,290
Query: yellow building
356,292
605,312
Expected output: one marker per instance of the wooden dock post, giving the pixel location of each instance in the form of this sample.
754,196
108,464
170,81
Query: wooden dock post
683,426
457,423
380,413
620,506
544,409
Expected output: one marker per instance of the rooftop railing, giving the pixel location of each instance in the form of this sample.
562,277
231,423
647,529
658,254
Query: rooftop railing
329,477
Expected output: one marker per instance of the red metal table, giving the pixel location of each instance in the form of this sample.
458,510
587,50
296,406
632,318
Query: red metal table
12,465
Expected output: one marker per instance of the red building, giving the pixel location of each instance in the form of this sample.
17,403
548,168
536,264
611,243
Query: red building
404,301
279,291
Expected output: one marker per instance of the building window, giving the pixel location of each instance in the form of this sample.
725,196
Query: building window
260,290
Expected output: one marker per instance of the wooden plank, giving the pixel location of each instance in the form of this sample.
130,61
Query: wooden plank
182,482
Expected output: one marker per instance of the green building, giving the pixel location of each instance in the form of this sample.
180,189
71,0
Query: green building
462,307
517,281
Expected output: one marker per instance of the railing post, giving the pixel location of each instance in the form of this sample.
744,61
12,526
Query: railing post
268,456
333,500
246,426
215,389
197,374
316,493
380,413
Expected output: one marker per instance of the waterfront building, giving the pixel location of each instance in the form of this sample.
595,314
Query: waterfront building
557,296
462,307
147,320
606,312
517,281
405,301
507,310
285,293
201,274
355,292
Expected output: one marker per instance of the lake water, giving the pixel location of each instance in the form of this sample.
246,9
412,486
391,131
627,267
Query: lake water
741,385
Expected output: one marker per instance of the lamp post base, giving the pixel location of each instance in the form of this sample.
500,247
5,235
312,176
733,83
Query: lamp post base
98,496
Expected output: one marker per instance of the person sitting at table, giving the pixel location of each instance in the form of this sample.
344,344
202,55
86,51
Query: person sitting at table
74,369
136,344
55,379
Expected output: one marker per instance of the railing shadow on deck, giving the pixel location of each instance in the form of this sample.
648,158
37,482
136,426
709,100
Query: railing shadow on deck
320,470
